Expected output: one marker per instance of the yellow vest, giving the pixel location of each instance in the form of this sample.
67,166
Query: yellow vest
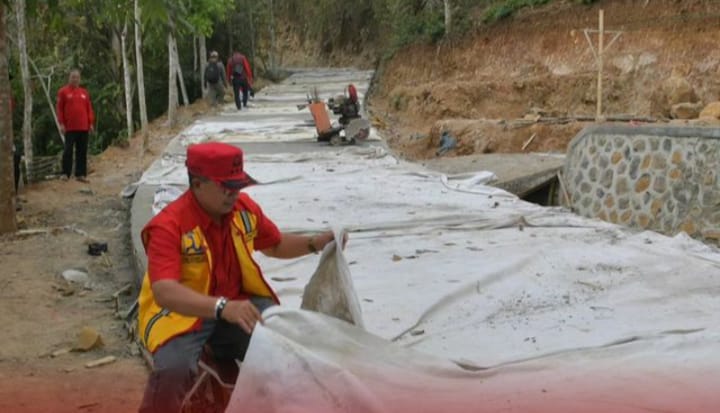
157,325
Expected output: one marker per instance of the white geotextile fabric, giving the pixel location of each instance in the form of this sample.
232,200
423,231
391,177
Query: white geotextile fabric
330,290
551,311
306,362
456,270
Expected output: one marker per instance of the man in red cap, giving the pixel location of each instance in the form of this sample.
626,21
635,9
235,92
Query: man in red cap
202,286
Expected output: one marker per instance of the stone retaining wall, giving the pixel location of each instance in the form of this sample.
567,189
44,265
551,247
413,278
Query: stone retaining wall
659,178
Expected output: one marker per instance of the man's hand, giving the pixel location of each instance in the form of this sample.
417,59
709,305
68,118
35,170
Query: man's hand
326,237
243,313
62,129
92,129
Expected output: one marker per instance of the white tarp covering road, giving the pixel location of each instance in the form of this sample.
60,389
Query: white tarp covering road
472,300
462,272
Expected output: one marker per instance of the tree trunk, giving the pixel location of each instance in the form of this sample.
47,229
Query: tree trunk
50,101
172,83
180,76
203,64
46,89
230,36
448,17
27,88
140,74
7,183
273,46
252,34
195,53
127,82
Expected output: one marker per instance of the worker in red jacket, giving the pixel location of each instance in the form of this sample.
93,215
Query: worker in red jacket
76,117
241,77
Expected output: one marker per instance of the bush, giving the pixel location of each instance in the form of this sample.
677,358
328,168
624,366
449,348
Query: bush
508,7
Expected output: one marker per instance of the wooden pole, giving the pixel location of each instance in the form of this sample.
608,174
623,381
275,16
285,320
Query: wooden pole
601,52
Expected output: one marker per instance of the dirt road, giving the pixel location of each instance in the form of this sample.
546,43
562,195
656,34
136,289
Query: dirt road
42,314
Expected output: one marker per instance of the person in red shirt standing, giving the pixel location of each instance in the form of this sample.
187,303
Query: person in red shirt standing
76,117
241,77
202,285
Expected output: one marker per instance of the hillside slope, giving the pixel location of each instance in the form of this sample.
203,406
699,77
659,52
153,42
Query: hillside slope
539,62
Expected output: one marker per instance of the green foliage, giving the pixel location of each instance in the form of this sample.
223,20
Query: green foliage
424,25
86,34
507,8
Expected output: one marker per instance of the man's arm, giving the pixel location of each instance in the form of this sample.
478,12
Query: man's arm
172,295
293,246
164,262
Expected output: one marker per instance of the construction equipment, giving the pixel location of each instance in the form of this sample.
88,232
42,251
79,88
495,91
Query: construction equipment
351,127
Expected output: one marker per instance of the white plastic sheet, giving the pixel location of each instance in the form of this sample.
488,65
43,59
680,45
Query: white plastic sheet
304,362
330,290
544,310
455,272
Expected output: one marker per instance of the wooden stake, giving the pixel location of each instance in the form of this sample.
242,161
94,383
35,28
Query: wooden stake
601,53
528,142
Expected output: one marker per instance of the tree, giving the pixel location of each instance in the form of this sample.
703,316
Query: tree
203,64
273,44
7,183
448,16
172,77
27,89
181,78
127,82
140,72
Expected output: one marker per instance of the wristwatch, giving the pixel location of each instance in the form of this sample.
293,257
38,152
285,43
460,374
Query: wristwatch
220,306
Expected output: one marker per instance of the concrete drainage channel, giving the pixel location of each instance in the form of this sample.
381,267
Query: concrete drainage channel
533,177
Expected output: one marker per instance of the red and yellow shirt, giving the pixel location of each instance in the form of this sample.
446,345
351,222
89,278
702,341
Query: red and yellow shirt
164,253
183,244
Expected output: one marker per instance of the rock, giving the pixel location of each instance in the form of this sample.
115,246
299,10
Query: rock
75,276
685,110
711,111
678,90
89,339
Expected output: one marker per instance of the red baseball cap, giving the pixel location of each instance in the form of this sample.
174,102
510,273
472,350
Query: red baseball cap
220,162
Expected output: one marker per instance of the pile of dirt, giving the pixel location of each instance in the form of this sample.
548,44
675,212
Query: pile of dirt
539,61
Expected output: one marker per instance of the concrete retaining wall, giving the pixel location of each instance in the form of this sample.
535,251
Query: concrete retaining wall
659,178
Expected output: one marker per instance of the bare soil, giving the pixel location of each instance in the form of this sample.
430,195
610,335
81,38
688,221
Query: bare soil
539,62
41,313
